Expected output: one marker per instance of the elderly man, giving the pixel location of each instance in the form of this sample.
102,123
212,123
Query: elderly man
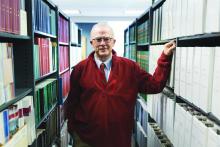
104,88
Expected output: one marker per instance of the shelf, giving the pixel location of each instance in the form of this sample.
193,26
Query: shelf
207,39
143,103
62,100
181,99
132,42
157,4
161,42
50,3
171,89
60,73
46,115
213,118
143,48
45,76
75,44
209,115
9,36
63,43
19,94
44,34
150,119
143,44
169,92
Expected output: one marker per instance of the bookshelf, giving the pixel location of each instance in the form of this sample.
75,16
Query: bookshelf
45,56
64,59
75,46
136,47
191,92
17,82
35,68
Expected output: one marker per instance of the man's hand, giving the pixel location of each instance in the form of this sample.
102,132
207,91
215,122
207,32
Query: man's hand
169,47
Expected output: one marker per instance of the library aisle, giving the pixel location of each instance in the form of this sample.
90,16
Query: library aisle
40,45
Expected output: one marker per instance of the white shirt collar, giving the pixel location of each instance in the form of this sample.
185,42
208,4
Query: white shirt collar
108,62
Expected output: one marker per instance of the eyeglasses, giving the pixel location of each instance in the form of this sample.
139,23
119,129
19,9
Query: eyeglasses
105,39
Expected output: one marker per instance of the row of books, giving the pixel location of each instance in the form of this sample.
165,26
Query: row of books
45,18
156,28
140,135
188,17
132,33
63,30
141,113
75,55
63,58
132,52
13,17
126,38
143,33
143,61
155,52
45,98
193,129
156,137
14,119
183,125
74,33
64,135
62,117
161,108
7,87
48,130
126,51
45,57
64,81
197,77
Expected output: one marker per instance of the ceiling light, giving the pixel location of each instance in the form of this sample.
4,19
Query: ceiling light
72,11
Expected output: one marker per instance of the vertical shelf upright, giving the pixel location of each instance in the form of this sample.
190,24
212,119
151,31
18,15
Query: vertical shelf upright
126,43
45,56
132,41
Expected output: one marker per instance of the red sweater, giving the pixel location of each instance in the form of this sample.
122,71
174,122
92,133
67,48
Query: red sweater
102,114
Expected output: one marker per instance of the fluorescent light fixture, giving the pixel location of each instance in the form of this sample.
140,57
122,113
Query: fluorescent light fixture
134,12
72,11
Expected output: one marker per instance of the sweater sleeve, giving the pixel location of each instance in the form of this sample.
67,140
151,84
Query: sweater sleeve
152,84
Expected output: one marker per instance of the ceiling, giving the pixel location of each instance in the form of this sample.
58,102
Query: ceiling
103,10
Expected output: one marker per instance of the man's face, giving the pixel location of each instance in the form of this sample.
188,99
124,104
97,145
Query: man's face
102,41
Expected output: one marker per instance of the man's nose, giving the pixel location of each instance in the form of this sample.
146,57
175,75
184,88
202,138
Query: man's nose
102,41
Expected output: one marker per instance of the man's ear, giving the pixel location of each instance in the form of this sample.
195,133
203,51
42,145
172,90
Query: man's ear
90,42
114,41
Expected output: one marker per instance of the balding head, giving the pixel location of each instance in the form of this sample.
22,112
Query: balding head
101,26
102,40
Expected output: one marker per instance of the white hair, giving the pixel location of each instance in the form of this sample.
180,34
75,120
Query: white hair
102,25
